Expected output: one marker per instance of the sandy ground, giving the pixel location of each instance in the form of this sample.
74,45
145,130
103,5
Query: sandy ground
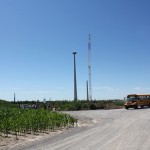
97,130
11,142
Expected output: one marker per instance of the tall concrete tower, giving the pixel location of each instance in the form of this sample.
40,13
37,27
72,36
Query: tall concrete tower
75,81
89,67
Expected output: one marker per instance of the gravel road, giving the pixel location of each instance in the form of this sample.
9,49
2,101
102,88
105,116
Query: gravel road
118,129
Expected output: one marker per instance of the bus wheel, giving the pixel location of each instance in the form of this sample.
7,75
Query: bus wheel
126,107
142,106
135,107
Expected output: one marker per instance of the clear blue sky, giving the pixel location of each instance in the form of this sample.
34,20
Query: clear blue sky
37,38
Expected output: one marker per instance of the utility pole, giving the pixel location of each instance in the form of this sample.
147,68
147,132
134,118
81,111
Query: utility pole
89,67
75,82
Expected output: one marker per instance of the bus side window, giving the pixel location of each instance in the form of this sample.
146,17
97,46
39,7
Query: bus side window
148,97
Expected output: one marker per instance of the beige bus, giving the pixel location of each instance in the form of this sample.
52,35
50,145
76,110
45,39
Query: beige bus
137,101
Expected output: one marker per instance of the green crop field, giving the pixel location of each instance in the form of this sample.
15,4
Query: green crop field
24,121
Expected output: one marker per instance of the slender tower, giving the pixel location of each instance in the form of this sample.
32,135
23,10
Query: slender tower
75,81
14,98
87,90
89,67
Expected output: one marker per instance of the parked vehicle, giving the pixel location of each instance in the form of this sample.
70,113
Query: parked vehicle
137,101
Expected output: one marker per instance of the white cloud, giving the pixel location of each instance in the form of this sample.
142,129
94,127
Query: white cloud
137,88
37,92
16,88
141,88
106,88
147,88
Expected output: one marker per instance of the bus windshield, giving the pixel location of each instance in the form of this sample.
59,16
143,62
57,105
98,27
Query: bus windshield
131,98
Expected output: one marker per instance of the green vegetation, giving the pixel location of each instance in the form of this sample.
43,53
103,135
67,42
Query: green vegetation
24,121
68,105
4,103
87,105
30,117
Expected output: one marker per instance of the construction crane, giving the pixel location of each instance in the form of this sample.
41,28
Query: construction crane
89,68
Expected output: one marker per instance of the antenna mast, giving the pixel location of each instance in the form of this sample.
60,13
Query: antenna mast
89,67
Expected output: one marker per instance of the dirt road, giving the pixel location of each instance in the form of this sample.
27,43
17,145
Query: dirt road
102,130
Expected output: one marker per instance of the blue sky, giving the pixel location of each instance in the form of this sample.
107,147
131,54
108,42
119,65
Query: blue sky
37,38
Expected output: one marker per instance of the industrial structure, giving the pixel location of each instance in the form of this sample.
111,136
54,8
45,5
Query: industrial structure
89,97
87,90
75,81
